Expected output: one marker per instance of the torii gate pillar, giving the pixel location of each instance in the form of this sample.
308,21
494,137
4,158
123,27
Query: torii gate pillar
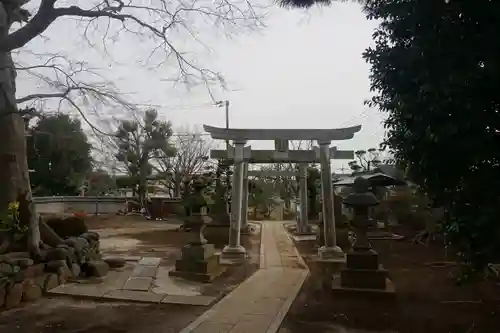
234,253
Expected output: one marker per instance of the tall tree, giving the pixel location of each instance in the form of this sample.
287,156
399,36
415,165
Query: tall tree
99,182
435,71
366,160
138,143
61,156
153,21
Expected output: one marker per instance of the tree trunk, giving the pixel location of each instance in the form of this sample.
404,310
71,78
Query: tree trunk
14,174
177,185
143,182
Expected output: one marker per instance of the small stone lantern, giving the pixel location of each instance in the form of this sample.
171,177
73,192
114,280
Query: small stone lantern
363,270
198,261
197,215
362,200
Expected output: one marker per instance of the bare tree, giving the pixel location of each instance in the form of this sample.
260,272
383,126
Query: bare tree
156,21
191,159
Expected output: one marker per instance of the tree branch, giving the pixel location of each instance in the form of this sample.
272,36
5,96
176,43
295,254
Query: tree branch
37,25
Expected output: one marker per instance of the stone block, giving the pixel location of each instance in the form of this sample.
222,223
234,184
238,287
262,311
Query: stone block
362,260
34,271
197,266
14,296
200,252
96,268
75,270
55,265
14,255
23,262
198,277
197,270
58,253
361,294
364,278
233,256
3,292
144,271
31,291
115,262
7,269
64,273
330,266
51,281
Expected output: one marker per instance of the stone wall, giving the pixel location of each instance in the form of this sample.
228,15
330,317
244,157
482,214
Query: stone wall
24,279
93,205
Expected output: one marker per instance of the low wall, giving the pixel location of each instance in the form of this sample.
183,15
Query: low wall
89,205
159,207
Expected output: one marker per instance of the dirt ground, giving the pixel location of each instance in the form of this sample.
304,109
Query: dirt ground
131,236
427,299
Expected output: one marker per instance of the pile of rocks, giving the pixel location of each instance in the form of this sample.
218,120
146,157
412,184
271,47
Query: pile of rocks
23,279
76,256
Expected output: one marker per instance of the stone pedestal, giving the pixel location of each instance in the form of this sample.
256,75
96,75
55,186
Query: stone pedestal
198,263
363,271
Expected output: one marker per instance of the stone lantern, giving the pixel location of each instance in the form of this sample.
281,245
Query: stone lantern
363,270
199,261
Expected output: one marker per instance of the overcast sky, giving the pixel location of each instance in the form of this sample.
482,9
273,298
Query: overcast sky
304,70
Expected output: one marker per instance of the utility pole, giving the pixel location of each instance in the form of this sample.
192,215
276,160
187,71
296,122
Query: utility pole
226,104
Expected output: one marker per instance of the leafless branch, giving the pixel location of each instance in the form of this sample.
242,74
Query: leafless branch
166,23
190,160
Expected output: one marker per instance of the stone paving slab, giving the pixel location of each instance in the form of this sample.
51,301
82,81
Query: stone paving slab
132,258
133,295
144,271
138,283
77,290
259,304
304,238
150,261
188,300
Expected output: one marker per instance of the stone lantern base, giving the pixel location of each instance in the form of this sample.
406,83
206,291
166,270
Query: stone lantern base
363,273
198,263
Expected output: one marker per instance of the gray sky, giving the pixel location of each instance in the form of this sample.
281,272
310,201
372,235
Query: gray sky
304,70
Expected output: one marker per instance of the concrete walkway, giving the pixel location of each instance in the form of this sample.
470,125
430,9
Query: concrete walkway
260,303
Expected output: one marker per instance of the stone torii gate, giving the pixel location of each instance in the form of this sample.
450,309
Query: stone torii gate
241,156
